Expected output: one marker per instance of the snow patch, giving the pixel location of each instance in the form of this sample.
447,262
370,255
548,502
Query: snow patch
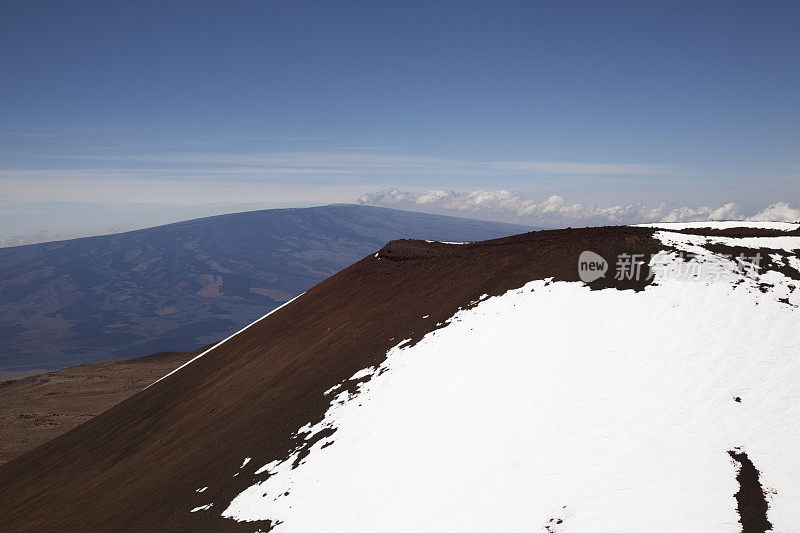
335,387
727,224
205,507
363,373
560,408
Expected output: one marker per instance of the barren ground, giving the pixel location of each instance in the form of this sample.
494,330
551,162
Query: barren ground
39,408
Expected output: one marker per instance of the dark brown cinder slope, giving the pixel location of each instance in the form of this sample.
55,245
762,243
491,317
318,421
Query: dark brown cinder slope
137,466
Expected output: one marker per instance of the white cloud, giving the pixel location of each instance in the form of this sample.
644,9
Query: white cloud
781,212
556,211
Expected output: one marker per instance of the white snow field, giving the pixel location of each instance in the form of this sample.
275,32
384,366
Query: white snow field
556,408
724,224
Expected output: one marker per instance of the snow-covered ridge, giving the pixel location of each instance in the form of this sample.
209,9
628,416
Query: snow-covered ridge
556,408
787,243
727,224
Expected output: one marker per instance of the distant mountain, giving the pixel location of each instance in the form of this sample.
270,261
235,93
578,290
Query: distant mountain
183,285
484,387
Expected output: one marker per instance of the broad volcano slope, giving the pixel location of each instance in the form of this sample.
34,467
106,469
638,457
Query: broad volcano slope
185,285
469,387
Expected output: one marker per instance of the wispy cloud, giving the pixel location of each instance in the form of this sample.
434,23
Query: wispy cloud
556,211
371,159
116,177
351,161
128,188
586,169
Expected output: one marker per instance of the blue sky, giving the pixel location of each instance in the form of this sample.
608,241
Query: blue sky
124,114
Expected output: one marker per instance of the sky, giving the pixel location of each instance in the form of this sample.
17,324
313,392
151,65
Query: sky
118,115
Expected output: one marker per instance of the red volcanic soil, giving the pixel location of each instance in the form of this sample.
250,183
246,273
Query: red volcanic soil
136,467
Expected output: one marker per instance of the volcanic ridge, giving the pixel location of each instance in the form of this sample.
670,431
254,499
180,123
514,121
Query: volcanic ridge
475,386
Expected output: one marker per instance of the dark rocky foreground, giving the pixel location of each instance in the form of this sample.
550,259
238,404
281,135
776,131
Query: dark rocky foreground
751,503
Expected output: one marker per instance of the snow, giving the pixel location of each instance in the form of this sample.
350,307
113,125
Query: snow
205,507
611,411
362,374
201,489
244,463
195,358
780,243
783,226
332,389
788,243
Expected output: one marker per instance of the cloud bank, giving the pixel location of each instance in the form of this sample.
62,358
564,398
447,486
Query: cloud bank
555,211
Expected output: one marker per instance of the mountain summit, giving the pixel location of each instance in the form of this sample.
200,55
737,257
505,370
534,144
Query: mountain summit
469,387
